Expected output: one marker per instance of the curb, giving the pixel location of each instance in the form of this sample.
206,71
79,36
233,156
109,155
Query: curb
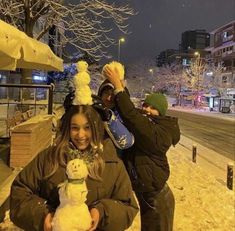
214,162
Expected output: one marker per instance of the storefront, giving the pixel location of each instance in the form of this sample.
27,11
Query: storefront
226,105
227,102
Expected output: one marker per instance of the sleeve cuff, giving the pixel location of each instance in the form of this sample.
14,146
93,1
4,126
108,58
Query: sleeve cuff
100,208
116,91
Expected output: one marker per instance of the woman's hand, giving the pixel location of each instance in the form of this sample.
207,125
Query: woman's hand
95,216
47,222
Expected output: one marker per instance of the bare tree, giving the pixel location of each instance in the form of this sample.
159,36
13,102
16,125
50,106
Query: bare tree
87,26
174,79
202,76
141,76
213,75
148,77
196,72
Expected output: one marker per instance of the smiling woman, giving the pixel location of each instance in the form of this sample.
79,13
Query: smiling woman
34,193
80,131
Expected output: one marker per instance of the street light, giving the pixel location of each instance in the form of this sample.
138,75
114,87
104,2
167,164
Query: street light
197,54
151,71
121,40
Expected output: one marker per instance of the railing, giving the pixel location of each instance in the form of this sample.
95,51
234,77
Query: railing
59,96
23,99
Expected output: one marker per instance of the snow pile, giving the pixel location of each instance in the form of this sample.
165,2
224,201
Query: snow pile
202,203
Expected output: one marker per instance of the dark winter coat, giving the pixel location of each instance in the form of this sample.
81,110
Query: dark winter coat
32,196
146,160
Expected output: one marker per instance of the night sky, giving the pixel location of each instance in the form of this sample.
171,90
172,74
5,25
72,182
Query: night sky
159,24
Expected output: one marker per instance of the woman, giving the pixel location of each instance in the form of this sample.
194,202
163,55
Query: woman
34,193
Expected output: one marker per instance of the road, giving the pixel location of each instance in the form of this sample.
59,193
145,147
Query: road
214,133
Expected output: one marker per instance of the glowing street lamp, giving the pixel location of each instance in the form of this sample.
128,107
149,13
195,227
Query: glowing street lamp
197,54
152,88
121,40
151,72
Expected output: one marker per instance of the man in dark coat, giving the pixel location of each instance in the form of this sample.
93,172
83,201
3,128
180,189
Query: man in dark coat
146,160
114,126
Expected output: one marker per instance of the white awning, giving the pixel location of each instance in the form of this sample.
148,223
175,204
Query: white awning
17,50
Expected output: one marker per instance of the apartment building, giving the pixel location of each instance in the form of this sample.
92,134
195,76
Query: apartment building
222,50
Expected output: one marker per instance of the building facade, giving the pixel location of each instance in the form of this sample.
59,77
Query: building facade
164,57
223,51
191,41
194,40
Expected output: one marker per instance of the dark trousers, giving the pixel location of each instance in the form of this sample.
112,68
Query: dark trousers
157,210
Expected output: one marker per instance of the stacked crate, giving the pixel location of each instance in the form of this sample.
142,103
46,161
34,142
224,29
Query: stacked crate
29,138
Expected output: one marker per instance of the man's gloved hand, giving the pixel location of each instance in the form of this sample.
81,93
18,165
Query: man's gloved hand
98,105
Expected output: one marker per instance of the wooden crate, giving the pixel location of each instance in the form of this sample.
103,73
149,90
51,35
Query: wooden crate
29,138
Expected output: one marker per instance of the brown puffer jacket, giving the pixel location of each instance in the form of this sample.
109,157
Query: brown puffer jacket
32,197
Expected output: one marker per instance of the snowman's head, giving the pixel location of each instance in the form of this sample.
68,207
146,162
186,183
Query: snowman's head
76,169
82,66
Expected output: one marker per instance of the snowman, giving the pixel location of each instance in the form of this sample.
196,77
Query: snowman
73,213
81,83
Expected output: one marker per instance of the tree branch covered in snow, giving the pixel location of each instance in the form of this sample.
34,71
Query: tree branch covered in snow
214,71
174,80
86,25
196,72
202,74
138,74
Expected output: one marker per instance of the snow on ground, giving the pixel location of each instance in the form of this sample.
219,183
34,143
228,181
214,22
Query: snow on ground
204,111
202,202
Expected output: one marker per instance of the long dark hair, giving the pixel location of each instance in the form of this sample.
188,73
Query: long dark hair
62,142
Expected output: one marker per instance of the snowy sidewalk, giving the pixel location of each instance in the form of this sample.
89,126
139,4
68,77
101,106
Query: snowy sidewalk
203,201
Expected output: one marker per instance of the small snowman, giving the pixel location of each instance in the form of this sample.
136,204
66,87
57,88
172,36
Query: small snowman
81,83
73,214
